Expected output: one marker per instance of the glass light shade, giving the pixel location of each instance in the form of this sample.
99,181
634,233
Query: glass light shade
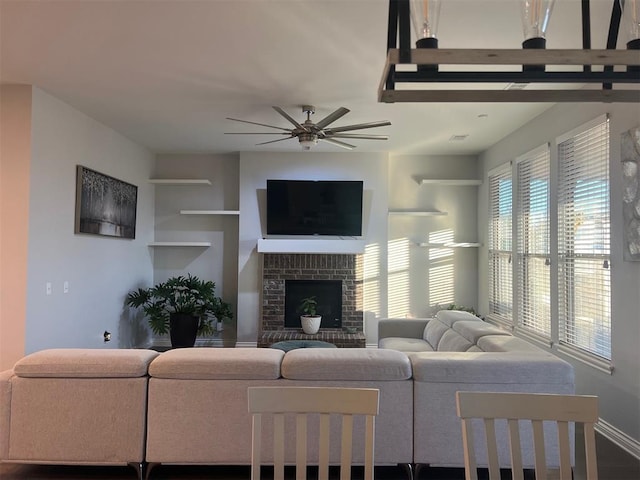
631,20
425,15
535,17
307,140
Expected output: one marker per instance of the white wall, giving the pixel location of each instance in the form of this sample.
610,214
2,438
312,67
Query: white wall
421,277
255,169
619,392
100,270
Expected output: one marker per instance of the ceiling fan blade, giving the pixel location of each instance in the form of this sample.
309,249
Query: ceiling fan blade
338,143
259,133
332,117
261,124
361,137
274,141
359,126
291,119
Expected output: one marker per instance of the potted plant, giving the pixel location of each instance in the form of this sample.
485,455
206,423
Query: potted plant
309,319
180,306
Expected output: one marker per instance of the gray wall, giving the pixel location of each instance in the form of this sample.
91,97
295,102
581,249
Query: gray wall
421,277
619,392
100,270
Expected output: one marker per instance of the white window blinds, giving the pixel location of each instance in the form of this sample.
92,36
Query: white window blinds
584,239
500,249
533,260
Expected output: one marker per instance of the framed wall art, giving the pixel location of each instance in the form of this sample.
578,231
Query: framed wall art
104,205
630,156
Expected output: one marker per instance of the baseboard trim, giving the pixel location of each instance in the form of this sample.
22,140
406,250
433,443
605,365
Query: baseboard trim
246,344
621,439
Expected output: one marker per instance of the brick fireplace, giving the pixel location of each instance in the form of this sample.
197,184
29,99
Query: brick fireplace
277,268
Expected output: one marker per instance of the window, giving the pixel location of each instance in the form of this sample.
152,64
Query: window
533,260
500,234
554,284
584,239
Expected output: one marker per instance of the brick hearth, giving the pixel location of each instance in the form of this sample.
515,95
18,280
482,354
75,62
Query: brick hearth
280,267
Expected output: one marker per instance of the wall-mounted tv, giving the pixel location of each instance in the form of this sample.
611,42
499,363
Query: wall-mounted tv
314,207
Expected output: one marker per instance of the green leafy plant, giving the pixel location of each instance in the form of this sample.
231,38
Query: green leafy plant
187,295
308,306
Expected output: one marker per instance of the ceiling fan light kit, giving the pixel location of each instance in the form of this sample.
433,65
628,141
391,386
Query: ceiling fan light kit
309,133
533,57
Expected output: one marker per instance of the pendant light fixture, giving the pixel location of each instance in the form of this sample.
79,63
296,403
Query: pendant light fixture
429,83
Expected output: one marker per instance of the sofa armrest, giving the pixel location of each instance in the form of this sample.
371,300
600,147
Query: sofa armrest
5,411
401,327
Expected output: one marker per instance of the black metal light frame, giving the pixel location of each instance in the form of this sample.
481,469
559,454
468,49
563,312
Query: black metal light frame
399,51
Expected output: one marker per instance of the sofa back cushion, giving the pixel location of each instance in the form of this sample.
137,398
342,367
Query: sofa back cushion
452,341
474,331
449,317
506,343
85,363
346,364
433,332
218,364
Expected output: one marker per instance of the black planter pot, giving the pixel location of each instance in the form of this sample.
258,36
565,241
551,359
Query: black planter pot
183,329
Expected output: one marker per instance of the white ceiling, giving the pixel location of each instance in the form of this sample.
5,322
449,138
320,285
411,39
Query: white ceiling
167,73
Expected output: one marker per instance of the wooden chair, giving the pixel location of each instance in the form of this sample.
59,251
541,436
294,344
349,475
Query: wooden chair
563,409
301,401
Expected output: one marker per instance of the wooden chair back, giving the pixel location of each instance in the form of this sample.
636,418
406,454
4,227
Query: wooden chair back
533,407
302,401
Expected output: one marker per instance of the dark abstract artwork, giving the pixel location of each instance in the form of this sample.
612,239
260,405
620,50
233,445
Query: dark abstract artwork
105,205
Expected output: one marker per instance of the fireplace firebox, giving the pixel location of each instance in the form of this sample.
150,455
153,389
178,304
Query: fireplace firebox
328,295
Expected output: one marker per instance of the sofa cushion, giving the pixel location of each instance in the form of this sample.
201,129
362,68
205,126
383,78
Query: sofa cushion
405,344
474,331
449,317
487,367
433,332
346,364
85,363
218,363
506,343
452,341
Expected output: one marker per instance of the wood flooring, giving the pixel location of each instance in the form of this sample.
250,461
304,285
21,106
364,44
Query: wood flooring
613,464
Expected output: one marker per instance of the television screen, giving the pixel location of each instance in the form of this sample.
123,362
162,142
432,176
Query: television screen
308,207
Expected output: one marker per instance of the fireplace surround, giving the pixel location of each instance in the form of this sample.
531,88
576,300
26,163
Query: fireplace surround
278,268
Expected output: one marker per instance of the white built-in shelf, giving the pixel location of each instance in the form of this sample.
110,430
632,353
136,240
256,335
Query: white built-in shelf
418,213
209,212
180,181
449,245
449,181
180,244
310,245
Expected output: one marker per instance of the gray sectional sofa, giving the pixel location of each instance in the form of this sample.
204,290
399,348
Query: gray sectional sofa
189,406
457,351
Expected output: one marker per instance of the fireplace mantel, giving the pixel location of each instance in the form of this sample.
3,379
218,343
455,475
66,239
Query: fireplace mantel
310,245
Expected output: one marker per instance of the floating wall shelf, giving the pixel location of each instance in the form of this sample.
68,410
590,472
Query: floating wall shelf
449,245
180,181
418,213
209,212
449,182
310,245
180,244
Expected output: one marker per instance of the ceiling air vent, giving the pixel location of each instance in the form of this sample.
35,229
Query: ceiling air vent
458,138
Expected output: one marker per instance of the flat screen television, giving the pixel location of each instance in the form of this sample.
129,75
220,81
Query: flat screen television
314,207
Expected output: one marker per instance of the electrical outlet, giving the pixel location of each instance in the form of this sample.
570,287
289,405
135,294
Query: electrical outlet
48,288
65,287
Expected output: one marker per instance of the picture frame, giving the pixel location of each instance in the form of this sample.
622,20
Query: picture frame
105,205
630,157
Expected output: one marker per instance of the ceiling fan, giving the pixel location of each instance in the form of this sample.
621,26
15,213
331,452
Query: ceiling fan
308,133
